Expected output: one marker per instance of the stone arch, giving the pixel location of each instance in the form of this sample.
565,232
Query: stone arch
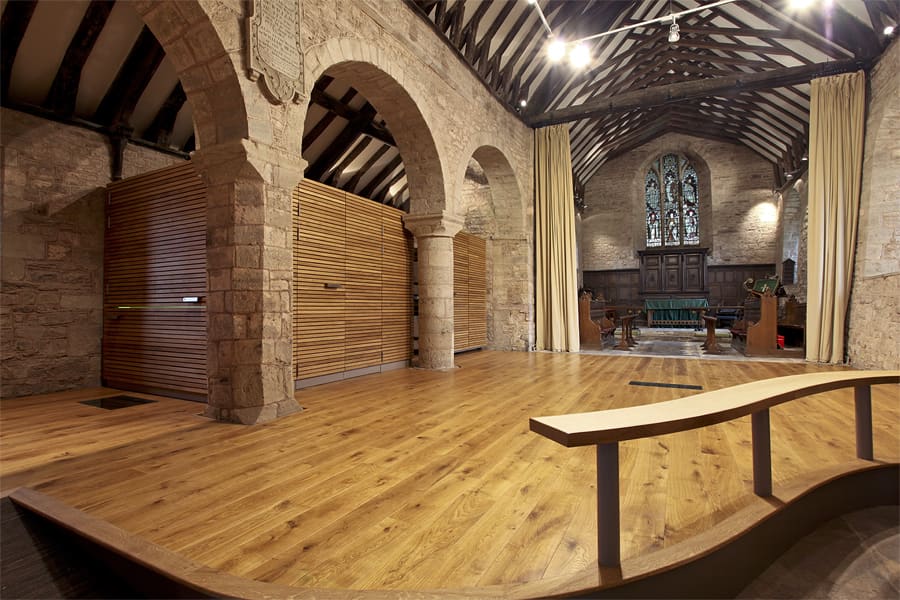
207,58
506,192
384,83
509,290
678,146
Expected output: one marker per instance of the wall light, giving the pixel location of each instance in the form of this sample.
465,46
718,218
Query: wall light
674,34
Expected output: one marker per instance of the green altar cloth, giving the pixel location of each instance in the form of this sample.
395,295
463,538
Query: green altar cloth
676,309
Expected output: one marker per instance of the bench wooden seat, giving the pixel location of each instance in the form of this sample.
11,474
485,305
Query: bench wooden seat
606,428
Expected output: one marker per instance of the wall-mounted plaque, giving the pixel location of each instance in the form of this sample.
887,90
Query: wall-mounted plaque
274,48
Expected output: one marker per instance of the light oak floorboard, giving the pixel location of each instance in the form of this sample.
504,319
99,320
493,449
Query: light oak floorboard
420,480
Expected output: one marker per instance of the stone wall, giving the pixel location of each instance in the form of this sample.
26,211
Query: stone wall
54,179
441,116
738,217
508,271
873,341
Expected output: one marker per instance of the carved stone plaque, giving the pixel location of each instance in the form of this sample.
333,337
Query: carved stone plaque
274,36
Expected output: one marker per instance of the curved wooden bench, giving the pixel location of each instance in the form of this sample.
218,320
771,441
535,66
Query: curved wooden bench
606,428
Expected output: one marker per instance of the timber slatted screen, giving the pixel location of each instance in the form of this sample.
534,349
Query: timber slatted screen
461,291
154,256
469,292
362,309
396,300
477,308
319,280
361,246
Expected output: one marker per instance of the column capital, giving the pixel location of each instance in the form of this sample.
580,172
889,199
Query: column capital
239,159
442,224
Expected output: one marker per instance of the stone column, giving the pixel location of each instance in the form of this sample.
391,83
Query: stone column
434,236
249,255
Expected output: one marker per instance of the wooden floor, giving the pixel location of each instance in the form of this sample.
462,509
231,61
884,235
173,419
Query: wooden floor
421,480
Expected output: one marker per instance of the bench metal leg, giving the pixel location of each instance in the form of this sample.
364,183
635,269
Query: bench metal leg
762,453
608,504
863,399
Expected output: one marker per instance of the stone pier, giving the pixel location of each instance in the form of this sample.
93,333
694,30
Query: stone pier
434,236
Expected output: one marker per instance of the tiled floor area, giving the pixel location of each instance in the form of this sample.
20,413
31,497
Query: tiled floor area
856,556
681,343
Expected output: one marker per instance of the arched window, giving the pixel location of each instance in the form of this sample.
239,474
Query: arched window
673,203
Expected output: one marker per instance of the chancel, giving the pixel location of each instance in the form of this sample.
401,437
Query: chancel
316,299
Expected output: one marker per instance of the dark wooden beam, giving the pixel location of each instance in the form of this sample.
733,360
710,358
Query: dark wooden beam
366,168
342,143
163,123
470,32
13,25
678,92
64,89
135,73
343,110
338,171
483,47
309,137
382,176
382,197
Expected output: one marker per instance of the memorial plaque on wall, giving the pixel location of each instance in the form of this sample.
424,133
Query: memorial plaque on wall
274,48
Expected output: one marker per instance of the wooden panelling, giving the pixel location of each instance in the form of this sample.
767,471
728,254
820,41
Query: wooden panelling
615,287
469,292
673,273
726,282
352,272
396,286
319,280
155,255
477,308
460,291
362,303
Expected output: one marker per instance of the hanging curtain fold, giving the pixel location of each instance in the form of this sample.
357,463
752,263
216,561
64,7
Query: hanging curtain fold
836,126
556,278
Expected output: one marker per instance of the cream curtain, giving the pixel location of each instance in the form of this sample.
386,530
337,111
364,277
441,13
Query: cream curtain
836,124
556,279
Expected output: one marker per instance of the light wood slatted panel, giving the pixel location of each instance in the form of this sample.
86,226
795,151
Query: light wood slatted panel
460,291
319,260
396,289
469,292
154,255
362,308
362,246
477,307
423,480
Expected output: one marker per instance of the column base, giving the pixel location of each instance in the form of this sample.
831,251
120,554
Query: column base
253,415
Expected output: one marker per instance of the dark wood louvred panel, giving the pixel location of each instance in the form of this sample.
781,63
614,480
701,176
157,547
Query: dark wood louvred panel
352,273
469,292
319,280
396,286
154,256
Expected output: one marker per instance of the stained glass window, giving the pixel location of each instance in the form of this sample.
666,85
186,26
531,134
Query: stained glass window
673,212
651,195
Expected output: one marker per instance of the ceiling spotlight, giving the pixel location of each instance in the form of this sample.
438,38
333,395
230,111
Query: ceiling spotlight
556,50
889,30
579,56
674,34
523,102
